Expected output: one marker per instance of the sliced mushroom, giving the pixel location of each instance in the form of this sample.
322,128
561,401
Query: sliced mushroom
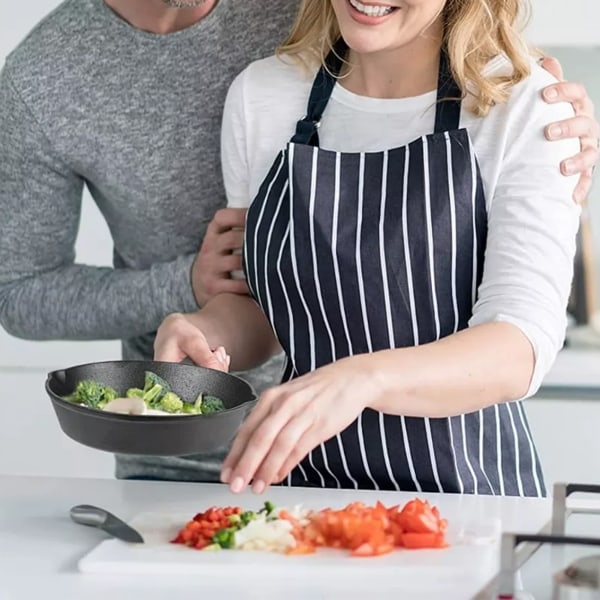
126,406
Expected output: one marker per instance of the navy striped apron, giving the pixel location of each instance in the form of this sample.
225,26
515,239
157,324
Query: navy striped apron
349,253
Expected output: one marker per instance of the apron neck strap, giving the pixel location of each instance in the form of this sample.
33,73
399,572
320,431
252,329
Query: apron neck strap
447,117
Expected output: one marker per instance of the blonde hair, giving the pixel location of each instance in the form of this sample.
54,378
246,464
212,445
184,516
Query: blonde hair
475,32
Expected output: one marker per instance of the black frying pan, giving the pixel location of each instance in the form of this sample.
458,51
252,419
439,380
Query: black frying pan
151,435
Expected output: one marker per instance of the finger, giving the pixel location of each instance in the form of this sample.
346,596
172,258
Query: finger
256,416
230,286
566,91
168,352
309,442
553,67
197,349
256,449
583,188
230,240
221,356
580,163
576,127
271,402
228,263
281,449
228,218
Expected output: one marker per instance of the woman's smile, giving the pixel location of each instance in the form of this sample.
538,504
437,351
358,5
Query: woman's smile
368,13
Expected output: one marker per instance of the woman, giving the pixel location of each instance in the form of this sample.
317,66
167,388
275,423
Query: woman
412,254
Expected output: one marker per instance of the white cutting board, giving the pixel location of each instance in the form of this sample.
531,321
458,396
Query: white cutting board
465,567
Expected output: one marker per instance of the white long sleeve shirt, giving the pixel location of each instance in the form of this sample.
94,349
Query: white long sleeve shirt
532,219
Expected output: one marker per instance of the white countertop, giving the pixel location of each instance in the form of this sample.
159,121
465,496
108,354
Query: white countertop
40,547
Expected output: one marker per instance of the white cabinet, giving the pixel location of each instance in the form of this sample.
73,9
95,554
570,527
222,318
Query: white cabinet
566,434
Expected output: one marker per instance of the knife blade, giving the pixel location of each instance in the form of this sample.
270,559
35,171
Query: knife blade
93,516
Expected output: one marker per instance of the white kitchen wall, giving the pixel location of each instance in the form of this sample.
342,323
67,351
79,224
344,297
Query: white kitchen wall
30,440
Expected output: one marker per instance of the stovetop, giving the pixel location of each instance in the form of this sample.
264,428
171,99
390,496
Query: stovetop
530,564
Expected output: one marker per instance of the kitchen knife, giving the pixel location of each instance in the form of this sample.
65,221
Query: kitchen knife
85,514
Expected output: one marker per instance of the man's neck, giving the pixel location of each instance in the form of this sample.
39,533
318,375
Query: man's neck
155,16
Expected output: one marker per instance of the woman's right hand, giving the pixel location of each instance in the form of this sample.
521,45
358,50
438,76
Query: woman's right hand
179,337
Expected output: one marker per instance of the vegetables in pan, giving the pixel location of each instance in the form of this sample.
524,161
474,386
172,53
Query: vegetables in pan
155,398
361,529
92,394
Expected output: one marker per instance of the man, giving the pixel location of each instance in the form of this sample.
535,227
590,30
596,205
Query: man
125,97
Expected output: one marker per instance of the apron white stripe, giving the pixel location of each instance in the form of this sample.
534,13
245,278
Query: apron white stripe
259,221
363,451
473,165
534,461
413,312
388,307
338,437
292,354
473,202
338,284
450,175
461,485
386,456
411,466
386,287
268,247
301,469
363,304
466,453
311,208
359,272
311,329
336,266
310,462
508,406
431,252
499,450
481,446
326,465
430,248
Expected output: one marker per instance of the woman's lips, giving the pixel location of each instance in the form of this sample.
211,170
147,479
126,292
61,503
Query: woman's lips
370,13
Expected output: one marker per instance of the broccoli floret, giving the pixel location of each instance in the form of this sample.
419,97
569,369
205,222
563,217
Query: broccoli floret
152,379
153,396
92,394
194,408
155,388
134,393
211,404
171,403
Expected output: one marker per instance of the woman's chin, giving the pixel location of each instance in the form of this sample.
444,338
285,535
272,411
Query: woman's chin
365,44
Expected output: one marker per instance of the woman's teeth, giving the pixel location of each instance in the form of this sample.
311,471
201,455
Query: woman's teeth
371,11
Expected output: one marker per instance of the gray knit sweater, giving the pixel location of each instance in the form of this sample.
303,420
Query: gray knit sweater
87,100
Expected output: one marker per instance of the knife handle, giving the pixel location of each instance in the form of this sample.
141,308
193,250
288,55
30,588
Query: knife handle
85,514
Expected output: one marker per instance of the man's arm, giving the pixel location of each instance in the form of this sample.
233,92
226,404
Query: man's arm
43,293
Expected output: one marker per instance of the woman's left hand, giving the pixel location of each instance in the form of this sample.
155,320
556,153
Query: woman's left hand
583,126
292,419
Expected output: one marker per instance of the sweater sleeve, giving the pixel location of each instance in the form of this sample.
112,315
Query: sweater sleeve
44,294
